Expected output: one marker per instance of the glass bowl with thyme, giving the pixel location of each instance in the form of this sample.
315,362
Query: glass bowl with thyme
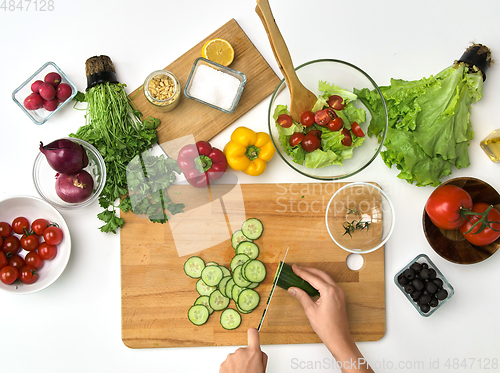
360,217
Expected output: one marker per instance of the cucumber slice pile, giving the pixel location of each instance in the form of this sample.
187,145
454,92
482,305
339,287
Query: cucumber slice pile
217,285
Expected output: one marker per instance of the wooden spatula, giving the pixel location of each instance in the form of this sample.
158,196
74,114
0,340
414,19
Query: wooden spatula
302,99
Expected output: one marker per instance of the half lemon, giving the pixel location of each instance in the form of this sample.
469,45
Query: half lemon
219,51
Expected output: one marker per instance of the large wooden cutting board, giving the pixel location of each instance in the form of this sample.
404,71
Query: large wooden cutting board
201,121
156,293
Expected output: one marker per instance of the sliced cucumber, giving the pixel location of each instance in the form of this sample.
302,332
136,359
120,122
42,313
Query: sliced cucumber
211,264
248,300
204,300
253,285
204,289
249,248
235,292
238,278
229,288
238,237
218,301
230,319
225,271
241,311
198,314
255,271
222,284
211,275
252,228
238,260
193,266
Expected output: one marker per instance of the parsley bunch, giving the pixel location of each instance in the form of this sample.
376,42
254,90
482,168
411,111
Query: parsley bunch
116,129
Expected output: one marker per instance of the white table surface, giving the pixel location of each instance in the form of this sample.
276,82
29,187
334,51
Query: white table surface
74,325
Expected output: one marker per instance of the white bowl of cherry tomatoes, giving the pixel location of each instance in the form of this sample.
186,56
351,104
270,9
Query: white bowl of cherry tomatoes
35,244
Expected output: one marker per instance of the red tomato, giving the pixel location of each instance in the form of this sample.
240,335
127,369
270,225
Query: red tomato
356,129
32,259
336,102
16,261
322,117
19,224
5,229
296,138
335,124
39,225
489,234
307,118
444,204
53,235
11,245
3,260
30,242
310,142
331,113
9,274
28,275
285,120
347,140
46,251
316,133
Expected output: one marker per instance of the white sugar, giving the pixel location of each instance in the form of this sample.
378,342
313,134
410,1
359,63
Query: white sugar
214,87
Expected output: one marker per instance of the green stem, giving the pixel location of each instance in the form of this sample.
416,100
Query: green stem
252,152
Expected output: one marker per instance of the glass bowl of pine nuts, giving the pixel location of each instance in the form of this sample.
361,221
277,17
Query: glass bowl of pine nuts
162,90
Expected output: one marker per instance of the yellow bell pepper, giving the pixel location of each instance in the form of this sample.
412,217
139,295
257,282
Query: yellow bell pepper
249,151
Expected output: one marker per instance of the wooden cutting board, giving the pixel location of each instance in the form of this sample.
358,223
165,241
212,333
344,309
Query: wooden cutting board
156,293
202,121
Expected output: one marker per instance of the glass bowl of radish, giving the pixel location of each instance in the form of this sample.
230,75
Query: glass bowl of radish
69,173
44,93
337,138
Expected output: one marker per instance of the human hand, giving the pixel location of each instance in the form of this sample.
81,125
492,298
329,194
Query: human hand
249,359
328,314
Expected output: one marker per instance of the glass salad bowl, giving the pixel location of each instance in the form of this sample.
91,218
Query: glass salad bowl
347,161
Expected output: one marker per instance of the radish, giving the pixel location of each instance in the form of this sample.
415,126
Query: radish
63,92
51,105
33,102
53,78
47,91
35,87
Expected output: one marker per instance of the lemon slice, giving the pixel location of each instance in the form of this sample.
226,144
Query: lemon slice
219,51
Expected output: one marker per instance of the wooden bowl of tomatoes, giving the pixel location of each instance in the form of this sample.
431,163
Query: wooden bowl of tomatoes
461,220
35,244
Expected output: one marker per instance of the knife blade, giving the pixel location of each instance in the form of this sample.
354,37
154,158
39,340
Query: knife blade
275,282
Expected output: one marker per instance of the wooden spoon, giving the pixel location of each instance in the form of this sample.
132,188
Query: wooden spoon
302,99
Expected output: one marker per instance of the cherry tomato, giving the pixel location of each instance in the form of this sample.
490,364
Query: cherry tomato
16,261
5,229
28,275
9,274
285,120
11,245
336,102
30,241
46,251
487,235
331,113
356,129
310,142
322,117
307,118
444,204
53,235
347,140
3,260
335,124
39,225
32,259
19,224
316,133
296,138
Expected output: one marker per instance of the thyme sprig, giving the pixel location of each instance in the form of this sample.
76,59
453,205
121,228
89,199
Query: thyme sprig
354,225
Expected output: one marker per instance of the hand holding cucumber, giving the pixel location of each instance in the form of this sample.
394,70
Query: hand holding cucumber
328,315
249,359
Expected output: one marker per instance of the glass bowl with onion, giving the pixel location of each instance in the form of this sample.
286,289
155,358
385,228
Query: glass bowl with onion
62,186
348,160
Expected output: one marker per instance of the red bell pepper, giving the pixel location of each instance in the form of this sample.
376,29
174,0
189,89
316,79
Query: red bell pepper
201,163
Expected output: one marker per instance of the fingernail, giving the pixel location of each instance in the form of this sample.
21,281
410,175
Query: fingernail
291,291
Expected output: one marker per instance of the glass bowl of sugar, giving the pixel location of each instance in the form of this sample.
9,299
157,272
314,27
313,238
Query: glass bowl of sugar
215,85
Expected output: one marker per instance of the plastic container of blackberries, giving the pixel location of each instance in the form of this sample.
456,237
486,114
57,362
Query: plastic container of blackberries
424,285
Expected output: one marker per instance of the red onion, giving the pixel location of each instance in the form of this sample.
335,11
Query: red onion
74,188
65,156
